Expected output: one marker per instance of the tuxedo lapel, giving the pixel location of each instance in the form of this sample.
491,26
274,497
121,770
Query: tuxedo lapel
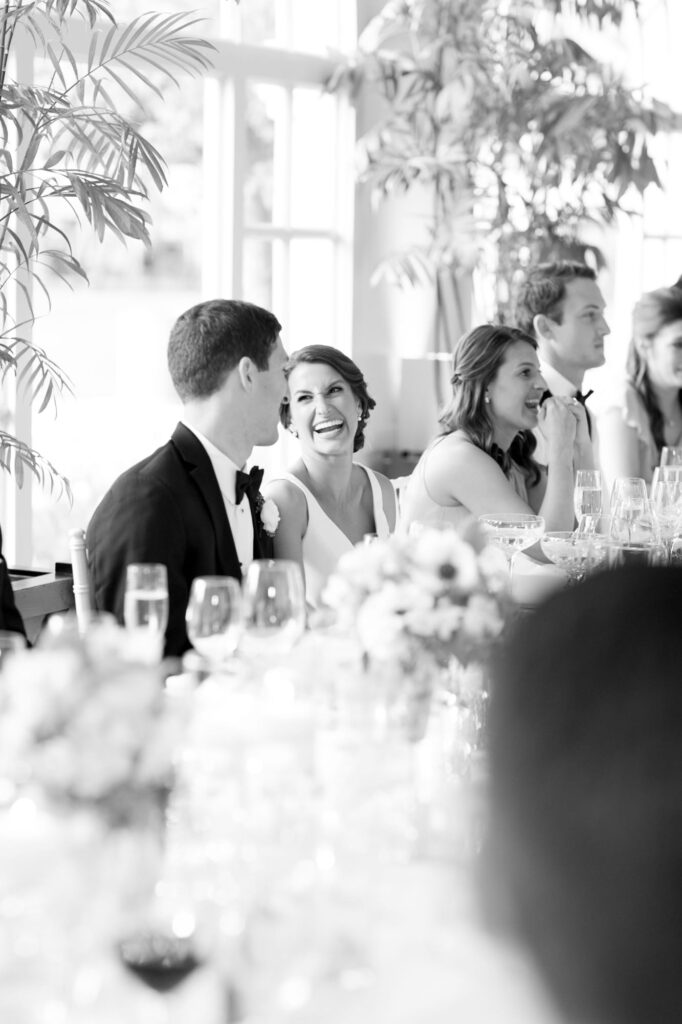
201,472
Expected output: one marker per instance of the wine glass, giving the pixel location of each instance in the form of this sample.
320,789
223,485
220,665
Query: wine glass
274,606
587,494
145,607
512,531
666,503
214,617
629,506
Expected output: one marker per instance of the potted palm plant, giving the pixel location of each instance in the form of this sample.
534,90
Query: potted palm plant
518,135
67,146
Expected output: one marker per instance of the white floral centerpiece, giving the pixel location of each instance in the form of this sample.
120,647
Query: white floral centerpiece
418,602
86,727
87,749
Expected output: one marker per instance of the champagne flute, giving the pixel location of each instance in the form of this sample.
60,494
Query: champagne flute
587,494
274,606
512,532
214,617
145,607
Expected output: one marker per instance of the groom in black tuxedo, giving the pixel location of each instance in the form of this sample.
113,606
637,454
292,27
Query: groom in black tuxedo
189,505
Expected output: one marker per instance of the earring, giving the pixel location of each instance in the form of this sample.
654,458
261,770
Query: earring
293,432
487,399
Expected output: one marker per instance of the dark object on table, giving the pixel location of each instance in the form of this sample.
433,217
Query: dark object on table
161,961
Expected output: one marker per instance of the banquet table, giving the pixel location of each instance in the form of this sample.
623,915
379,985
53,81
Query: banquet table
329,861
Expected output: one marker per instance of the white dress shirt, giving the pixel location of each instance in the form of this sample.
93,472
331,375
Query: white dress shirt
238,516
563,388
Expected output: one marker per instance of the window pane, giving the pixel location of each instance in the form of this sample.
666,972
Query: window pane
314,159
311,291
311,26
258,273
264,109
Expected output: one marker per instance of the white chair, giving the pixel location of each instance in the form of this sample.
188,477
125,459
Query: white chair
82,590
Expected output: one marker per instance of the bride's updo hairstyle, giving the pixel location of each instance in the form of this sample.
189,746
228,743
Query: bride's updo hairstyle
346,368
477,358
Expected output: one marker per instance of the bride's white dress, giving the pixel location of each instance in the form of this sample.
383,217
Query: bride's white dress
324,542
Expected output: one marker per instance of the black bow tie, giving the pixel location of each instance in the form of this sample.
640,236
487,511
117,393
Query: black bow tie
579,397
582,398
247,483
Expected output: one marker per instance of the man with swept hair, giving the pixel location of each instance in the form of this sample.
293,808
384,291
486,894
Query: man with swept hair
186,505
562,307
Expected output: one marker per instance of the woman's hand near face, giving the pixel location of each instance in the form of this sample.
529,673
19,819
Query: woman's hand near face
559,424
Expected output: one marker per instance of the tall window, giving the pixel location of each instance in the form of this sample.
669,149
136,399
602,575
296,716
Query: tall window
258,206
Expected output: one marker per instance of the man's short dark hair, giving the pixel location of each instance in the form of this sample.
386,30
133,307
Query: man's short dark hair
585,829
208,340
543,291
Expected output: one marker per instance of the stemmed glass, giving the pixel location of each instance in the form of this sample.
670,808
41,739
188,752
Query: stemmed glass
274,606
214,617
577,553
630,510
145,607
666,503
587,494
512,531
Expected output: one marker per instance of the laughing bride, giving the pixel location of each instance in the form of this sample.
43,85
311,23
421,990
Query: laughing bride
327,502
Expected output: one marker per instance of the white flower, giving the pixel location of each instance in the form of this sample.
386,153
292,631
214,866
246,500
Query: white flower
269,516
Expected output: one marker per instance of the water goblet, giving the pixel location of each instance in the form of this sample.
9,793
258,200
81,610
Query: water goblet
274,607
587,494
512,532
214,617
145,607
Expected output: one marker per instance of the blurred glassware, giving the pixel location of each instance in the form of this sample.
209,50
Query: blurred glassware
274,607
576,553
587,494
666,503
671,456
512,531
214,617
628,497
145,607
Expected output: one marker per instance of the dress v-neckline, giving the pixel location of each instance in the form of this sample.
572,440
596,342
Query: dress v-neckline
309,494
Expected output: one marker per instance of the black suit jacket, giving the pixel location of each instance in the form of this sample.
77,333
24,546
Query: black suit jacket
167,508
10,616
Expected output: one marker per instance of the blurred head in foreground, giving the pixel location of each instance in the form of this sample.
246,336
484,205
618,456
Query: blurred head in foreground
584,854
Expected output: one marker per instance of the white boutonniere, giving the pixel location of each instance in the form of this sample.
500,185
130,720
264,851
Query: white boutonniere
269,516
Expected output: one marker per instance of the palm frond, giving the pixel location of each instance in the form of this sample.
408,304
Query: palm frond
17,458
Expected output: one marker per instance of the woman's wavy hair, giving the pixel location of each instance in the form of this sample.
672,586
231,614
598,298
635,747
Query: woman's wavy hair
477,358
347,369
654,311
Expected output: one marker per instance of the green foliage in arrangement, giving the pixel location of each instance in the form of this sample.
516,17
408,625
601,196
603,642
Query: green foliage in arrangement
518,135
65,146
